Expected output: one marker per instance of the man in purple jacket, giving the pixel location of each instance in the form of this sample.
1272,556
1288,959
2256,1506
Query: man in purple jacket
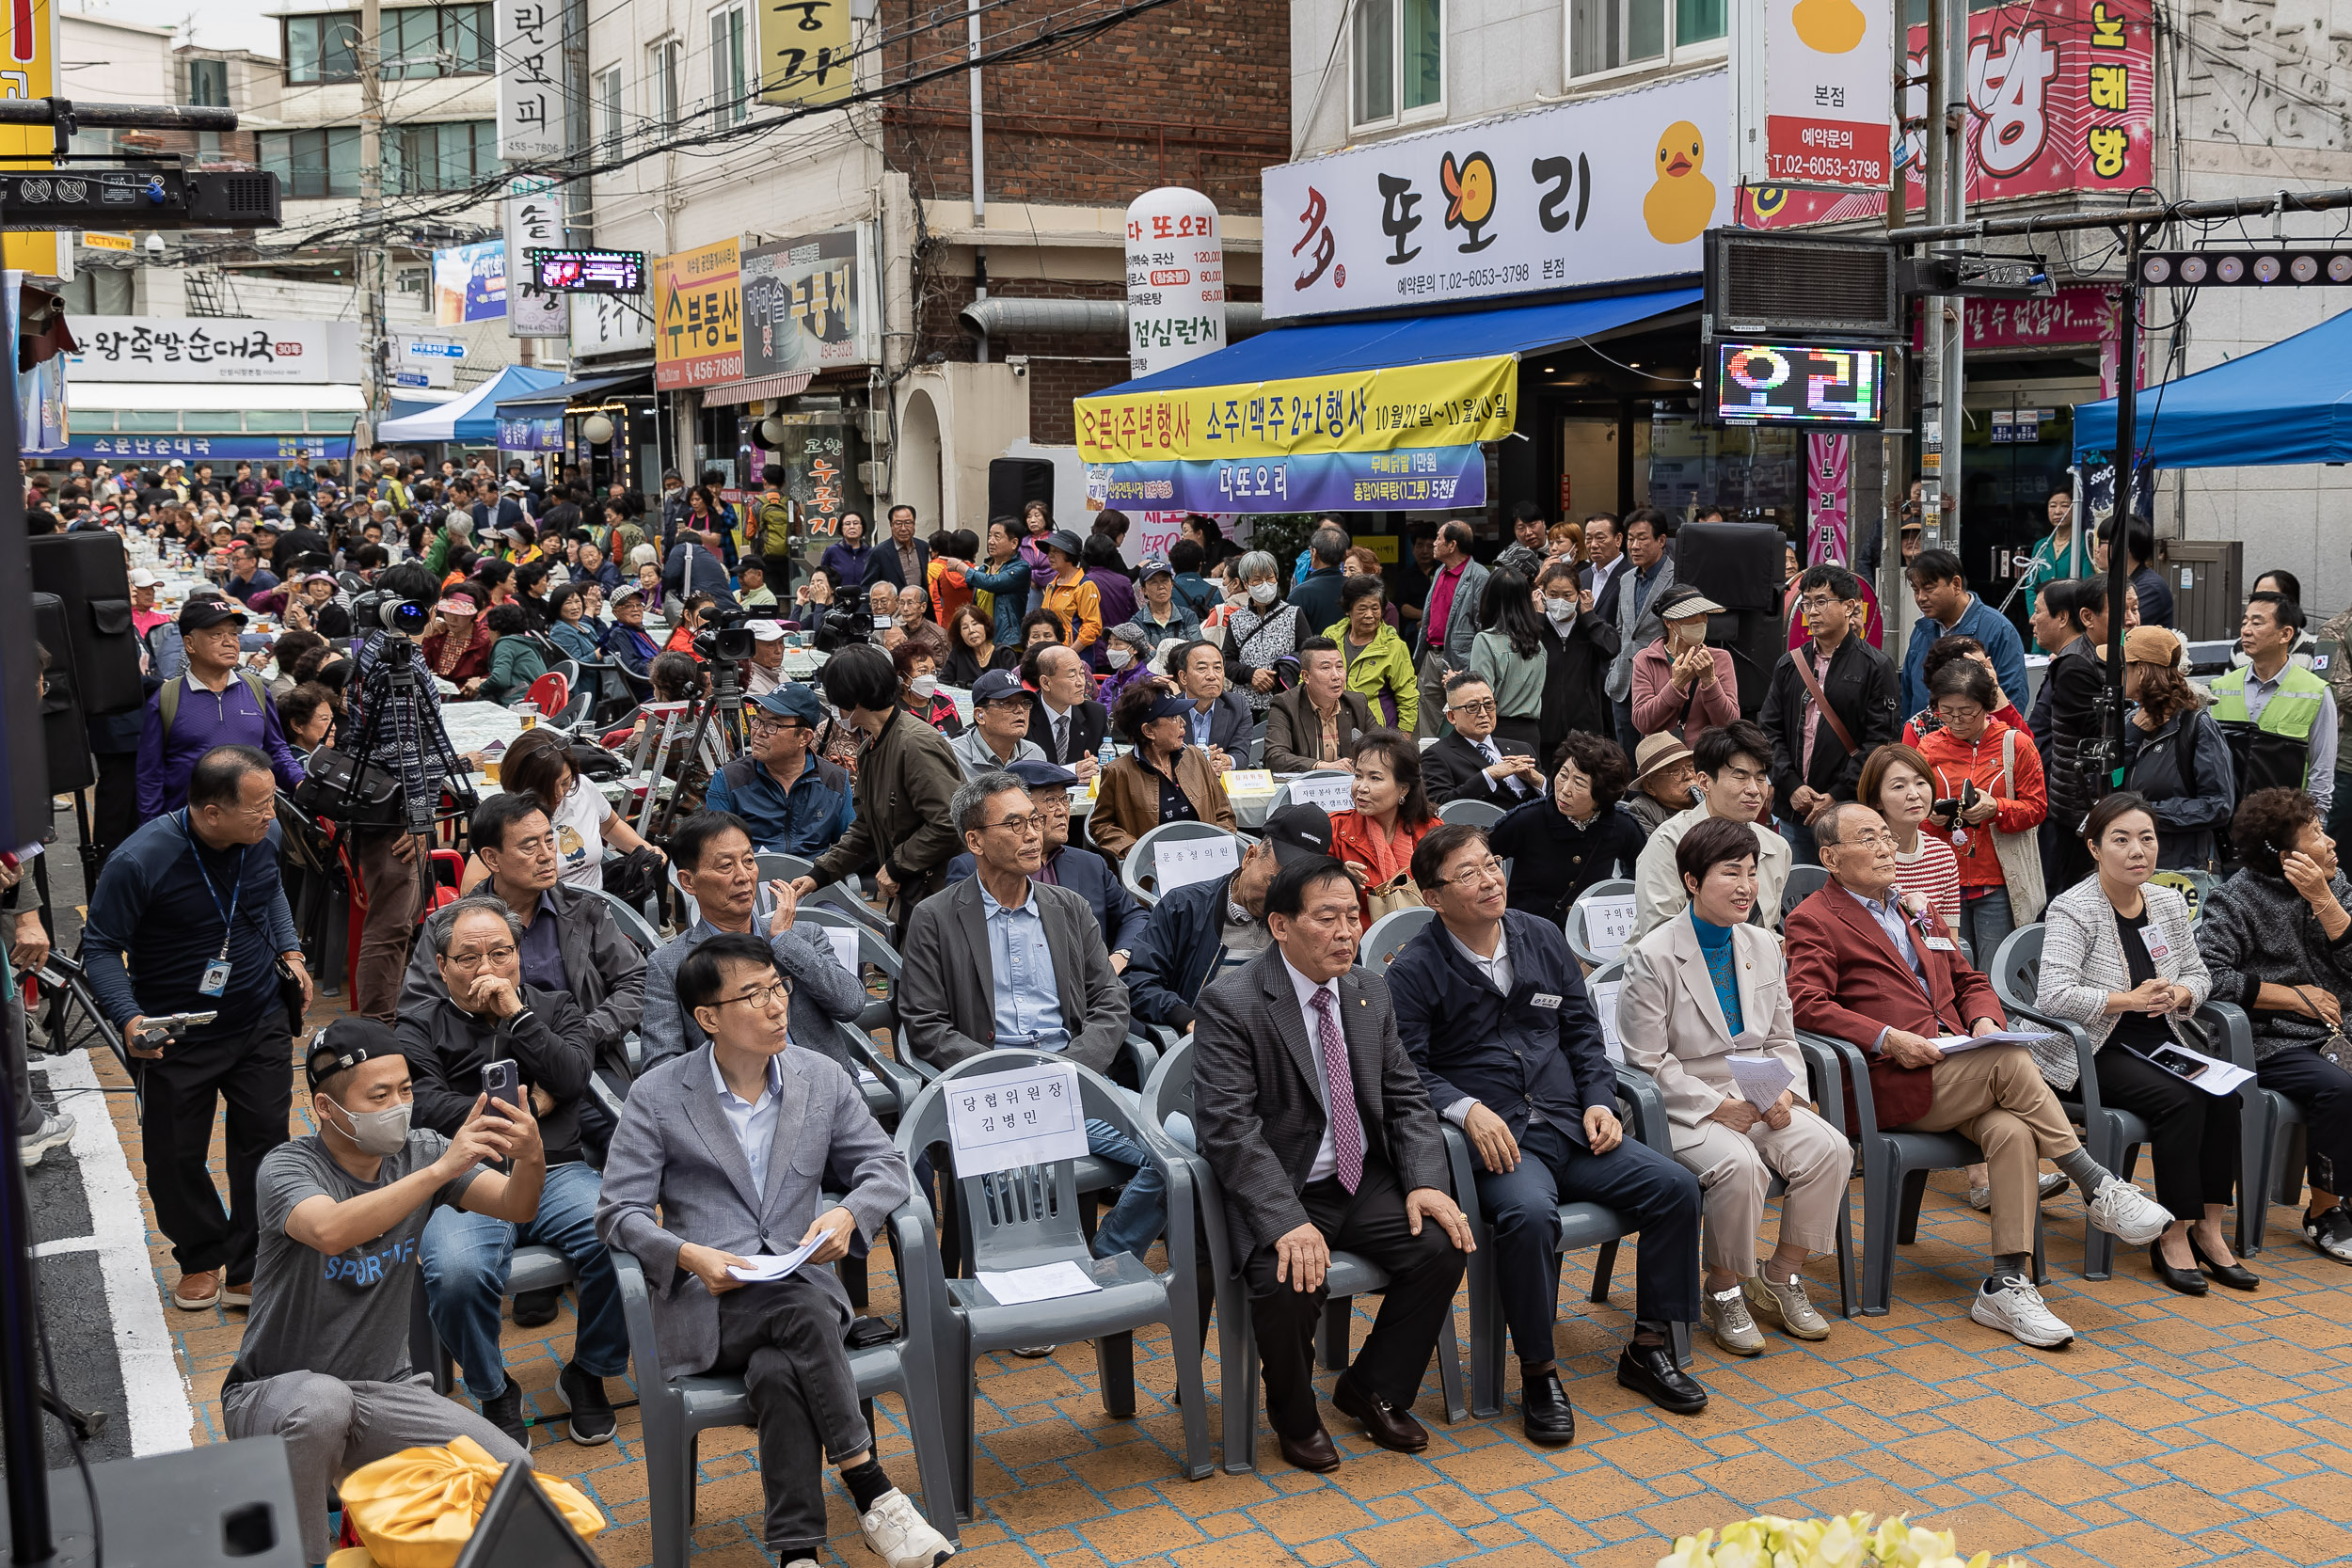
214,703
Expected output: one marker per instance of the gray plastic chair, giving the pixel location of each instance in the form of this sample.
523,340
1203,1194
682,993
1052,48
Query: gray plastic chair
2284,1135
1476,814
777,867
1170,1093
1804,882
2113,1135
633,923
1135,871
873,949
531,1268
1386,937
1257,744
1028,1216
676,1410
1895,1164
1573,927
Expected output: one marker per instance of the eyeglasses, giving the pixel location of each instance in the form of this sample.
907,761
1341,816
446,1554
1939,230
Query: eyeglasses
1486,706
767,998
1958,715
487,954
1864,839
1488,870
1024,827
771,727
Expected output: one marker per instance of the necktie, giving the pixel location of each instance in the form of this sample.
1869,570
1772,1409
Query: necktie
1493,756
1062,738
1347,1130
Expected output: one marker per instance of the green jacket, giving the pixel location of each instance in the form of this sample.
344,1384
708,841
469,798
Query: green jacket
515,663
1387,666
2274,750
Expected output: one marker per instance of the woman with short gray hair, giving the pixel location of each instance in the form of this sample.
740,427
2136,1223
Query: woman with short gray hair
1261,631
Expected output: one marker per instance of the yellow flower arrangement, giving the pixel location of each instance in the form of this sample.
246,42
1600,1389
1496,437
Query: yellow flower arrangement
1855,1541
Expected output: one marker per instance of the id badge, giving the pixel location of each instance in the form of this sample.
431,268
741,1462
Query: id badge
216,979
1940,944
2158,948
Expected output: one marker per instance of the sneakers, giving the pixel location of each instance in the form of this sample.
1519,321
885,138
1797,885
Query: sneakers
590,1418
2053,1182
1785,1305
2331,1233
197,1290
2128,1214
505,1410
54,1132
1725,1314
2013,1306
537,1309
239,1296
1034,1353
900,1536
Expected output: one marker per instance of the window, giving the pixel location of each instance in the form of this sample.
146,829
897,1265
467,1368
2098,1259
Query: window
609,129
97,292
730,54
208,84
665,66
323,48
415,41
1398,60
451,156
313,164
1622,35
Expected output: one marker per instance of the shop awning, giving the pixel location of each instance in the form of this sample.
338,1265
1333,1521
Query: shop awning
735,393
2290,403
552,400
471,417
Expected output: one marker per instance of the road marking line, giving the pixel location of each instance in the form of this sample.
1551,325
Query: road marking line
72,1243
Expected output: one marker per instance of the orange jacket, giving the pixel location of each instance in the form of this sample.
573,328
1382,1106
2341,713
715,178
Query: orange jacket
1954,762
947,591
1079,604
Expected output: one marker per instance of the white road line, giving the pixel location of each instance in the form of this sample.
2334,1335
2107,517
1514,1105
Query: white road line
153,1386
71,1243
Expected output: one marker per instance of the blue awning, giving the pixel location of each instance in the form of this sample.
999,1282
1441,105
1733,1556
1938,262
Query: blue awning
2290,403
1326,347
549,402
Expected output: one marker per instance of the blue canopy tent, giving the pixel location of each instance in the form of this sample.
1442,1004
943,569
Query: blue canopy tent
2290,403
473,417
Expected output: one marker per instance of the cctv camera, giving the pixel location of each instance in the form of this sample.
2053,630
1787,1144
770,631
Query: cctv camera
156,245
1019,369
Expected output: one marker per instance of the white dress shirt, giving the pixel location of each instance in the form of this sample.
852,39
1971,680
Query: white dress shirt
1488,748
753,1122
1327,1161
1498,973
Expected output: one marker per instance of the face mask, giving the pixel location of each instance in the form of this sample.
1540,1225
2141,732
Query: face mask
1559,609
379,1133
923,686
1120,657
1262,593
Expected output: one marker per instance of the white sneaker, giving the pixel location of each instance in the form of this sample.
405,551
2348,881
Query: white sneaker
55,1132
2053,1182
1785,1304
2016,1309
900,1536
1725,1314
2128,1214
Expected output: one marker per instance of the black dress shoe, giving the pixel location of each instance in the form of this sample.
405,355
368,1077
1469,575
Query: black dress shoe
1313,1451
537,1309
2187,1281
2235,1276
1383,1422
1650,1372
1545,1411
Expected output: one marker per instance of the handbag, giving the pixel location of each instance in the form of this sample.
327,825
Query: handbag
2020,853
1389,898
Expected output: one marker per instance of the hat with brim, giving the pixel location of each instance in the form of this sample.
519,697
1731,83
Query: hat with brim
628,593
199,614
457,604
765,631
792,700
1300,832
1689,606
1042,775
1657,753
1063,540
997,686
1169,706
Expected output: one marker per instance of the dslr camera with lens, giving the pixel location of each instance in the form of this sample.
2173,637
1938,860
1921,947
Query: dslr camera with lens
726,636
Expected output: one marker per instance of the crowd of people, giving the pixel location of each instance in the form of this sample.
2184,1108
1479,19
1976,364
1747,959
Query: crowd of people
517,1069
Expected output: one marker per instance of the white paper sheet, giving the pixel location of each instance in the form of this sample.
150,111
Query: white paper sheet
844,947
1608,923
1760,1078
2210,1075
1950,1043
1046,1282
1176,863
1027,1116
1605,1003
767,1267
1337,793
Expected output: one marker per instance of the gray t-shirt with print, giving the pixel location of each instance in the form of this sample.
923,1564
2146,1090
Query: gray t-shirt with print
345,1316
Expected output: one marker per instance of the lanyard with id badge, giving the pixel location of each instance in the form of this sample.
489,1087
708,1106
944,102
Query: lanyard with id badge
215,980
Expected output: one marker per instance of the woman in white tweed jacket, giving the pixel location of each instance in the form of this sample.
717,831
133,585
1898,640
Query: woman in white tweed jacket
2119,958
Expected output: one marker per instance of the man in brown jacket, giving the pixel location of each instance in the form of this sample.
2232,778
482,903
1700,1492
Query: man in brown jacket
906,777
1315,723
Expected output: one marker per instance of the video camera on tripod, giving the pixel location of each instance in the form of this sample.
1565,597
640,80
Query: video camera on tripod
727,637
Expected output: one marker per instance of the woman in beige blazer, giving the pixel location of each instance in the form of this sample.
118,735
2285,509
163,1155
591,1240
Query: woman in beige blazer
1698,990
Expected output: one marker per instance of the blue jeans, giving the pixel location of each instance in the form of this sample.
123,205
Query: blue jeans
1986,921
466,1258
1140,1214
1799,837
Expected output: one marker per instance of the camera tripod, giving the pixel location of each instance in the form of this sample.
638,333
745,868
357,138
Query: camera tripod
394,694
724,700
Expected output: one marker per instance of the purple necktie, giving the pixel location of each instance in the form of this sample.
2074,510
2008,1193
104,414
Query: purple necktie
1347,1130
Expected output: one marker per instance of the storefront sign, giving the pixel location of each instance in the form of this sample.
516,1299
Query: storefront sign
469,283
207,348
801,305
532,434
1604,189
610,324
534,219
2080,314
1416,478
820,463
234,448
31,72
805,52
698,317
2061,98
1175,279
1817,107
1828,493
1454,403
530,39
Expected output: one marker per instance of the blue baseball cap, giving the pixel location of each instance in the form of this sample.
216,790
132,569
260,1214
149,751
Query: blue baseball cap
996,686
1042,775
792,700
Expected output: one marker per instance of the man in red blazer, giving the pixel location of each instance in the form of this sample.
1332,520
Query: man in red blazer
1867,967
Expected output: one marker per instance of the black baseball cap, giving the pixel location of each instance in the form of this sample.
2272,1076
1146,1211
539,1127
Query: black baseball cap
996,686
1299,833
344,1045
196,614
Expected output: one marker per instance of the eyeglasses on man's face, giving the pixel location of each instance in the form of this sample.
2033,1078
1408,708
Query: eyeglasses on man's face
1024,827
1473,708
766,999
1488,870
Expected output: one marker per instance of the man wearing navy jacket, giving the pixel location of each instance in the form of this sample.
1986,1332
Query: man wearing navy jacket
1492,1008
1190,927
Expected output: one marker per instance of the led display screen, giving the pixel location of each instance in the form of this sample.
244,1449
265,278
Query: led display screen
1790,384
589,271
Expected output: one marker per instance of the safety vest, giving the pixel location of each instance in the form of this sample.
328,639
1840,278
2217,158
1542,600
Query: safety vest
2274,750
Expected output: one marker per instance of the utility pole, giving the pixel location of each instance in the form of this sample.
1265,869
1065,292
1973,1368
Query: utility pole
1942,378
371,268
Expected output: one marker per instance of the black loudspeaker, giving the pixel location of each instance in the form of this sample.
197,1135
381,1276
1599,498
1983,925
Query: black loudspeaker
1736,564
62,731
1013,482
88,573
519,1525
1757,640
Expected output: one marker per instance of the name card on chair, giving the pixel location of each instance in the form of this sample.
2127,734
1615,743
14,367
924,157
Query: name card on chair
1336,793
1607,923
1605,1003
1176,863
1027,1116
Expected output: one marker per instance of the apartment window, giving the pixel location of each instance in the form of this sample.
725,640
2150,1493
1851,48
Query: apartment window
208,84
609,128
451,156
417,41
1398,60
322,48
665,70
313,164
730,58
1622,35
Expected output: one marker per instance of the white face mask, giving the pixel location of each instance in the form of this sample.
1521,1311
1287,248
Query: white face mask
923,686
379,1133
1560,610
1120,657
1262,593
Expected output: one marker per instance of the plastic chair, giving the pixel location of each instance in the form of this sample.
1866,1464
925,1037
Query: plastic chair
676,1410
1804,882
1476,814
1257,744
1386,937
1028,1216
1136,871
633,923
881,1012
1170,1093
551,694
531,1268
2284,1139
1579,944
1895,1164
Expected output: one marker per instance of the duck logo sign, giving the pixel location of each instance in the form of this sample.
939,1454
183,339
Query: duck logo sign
1600,190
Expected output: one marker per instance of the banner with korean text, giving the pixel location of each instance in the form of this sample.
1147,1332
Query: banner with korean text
805,52
698,317
1814,105
1414,478
530,39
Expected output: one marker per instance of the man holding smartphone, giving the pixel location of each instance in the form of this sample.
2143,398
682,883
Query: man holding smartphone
491,1028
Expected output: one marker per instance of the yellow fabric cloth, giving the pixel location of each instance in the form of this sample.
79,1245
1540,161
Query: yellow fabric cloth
417,1508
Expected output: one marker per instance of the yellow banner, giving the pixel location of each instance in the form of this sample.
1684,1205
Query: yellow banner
1451,403
698,317
30,71
805,52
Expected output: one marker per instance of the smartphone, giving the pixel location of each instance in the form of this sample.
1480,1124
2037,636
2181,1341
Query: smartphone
2174,1059
499,1081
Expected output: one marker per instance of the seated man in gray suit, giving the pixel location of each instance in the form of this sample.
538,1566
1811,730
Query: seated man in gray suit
998,961
731,1144
1321,1134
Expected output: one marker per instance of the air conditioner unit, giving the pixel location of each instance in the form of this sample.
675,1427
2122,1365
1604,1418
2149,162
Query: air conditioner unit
875,477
